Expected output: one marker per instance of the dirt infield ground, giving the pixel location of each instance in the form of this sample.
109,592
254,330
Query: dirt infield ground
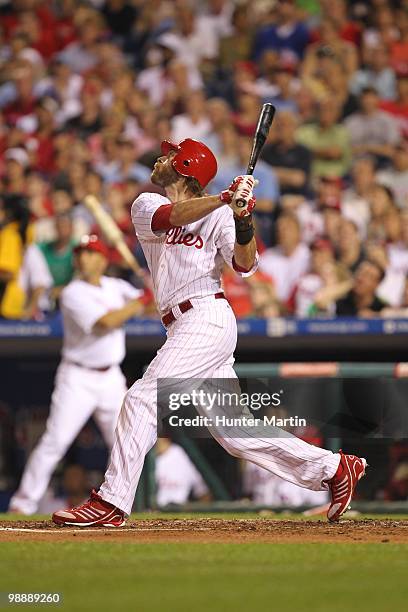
210,530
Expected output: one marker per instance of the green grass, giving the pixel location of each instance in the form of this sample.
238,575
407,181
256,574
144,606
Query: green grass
237,577
201,577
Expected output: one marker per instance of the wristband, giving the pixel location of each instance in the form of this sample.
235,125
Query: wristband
244,229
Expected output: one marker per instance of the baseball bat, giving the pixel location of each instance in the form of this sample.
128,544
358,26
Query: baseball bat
262,129
112,233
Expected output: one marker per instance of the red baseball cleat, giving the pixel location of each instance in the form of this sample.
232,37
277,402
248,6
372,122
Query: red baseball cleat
94,513
343,483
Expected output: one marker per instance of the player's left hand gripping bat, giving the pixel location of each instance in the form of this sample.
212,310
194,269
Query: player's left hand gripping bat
112,233
262,129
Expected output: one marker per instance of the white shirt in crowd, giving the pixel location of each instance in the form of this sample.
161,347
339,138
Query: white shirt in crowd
267,489
398,182
391,288
286,271
398,257
82,304
157,84
185,262
34,273
183,127
305,293
356,209
177,477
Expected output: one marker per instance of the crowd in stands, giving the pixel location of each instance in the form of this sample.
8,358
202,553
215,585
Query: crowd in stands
89,89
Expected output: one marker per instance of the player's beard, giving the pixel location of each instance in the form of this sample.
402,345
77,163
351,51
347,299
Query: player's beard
164,175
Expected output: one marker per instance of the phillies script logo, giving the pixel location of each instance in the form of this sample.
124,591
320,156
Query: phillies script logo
177,235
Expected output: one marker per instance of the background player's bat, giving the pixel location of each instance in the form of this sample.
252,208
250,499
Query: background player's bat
112,233
264,123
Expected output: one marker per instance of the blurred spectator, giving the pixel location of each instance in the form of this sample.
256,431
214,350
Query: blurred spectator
219,115
195,122
376,74
237,45
337,10
194,37
349,245
321,217
290,161
266,489
59,253
330,45
176,476
286,86
15,235
336,282
399,46
36,281
398,250
398,107
397,489
264,301
17,164
119,16
89,120
288,260
287,34
381,202
328,140
75,490
402,309
81,54
361,300
47,268
246,118
391,288
355,204
396,176
372,132
323,275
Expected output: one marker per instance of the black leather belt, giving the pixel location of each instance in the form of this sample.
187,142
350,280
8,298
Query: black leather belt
185,307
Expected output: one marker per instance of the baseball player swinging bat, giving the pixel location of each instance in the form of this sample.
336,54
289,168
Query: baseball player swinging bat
262,129
112,233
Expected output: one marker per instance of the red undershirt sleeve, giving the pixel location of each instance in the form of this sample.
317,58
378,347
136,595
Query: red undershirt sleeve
161,218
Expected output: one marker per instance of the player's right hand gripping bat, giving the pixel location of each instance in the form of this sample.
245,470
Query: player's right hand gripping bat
112,233
264,123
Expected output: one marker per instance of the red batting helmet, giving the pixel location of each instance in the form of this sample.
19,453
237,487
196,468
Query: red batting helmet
91,242
192,158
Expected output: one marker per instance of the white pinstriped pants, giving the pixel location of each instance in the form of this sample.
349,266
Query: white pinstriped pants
78,395
200,344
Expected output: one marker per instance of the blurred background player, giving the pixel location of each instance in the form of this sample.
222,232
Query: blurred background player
177,478
89,381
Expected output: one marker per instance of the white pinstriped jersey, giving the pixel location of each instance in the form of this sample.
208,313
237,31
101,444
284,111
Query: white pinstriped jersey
185,262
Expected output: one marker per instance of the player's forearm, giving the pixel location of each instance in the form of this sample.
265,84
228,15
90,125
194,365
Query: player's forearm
116,318
188,211
245,254
245,245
